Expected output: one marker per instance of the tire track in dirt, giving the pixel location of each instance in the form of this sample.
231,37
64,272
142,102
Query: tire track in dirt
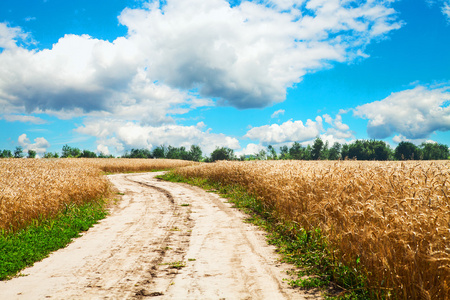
164,240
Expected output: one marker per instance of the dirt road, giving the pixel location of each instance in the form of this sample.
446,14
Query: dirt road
162,240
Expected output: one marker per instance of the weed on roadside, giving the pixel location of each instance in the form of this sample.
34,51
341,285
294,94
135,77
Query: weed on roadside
33,243
307,250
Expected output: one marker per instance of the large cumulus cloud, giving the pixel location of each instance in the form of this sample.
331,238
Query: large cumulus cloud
413,113
244,56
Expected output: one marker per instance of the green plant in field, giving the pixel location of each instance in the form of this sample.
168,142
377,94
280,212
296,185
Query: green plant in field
175,264
24,247
308,250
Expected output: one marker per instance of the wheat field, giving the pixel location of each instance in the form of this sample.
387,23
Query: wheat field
393,216
35,188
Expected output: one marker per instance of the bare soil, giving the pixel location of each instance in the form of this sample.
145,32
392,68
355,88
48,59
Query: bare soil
162,240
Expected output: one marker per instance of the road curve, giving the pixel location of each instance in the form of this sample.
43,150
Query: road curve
164,240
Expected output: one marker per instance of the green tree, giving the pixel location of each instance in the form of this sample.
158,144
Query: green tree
407,151
381,150
6,154
284,152
222,153
317,149
195,153
184,154
295,152
173,153
18,152
160,151
88,154
51,155
31,154
434,151
335,151
68,151
272,154
261,155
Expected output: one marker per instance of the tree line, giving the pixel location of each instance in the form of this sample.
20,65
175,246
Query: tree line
319,150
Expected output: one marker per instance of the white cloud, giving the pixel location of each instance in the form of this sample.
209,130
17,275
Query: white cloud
24,119
338,132
10,36
40,144
446,9
277,113
180,54
400,138
103,149
297,131
245,56
249,54
250,149
287,132
414,113
126,135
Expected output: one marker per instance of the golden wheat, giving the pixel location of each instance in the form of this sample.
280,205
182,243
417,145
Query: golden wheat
393,216
34,188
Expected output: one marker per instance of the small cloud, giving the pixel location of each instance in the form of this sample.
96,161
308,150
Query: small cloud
287,132
251,149
446,10
40,144
28,19
277,113
24,119
400,138
103,149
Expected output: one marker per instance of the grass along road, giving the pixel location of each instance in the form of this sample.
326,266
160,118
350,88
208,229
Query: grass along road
163,239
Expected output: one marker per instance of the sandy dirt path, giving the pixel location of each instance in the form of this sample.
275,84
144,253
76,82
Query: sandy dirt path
163,240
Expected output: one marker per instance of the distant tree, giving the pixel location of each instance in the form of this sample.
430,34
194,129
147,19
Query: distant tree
222,153
160,152
18,152
306,153
284,152
345,151
141,153
356,150
335,151
6,154
380,150
195,153
184,154
88,154
103,155
68,151
407,151
272,154
434,151
325,153
295,152
51,155
31,154
261,155
317,149
173,153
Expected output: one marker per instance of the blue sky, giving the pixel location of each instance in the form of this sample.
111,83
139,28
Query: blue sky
113,75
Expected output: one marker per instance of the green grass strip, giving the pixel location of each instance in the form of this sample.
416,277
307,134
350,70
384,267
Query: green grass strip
308,250
24,247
